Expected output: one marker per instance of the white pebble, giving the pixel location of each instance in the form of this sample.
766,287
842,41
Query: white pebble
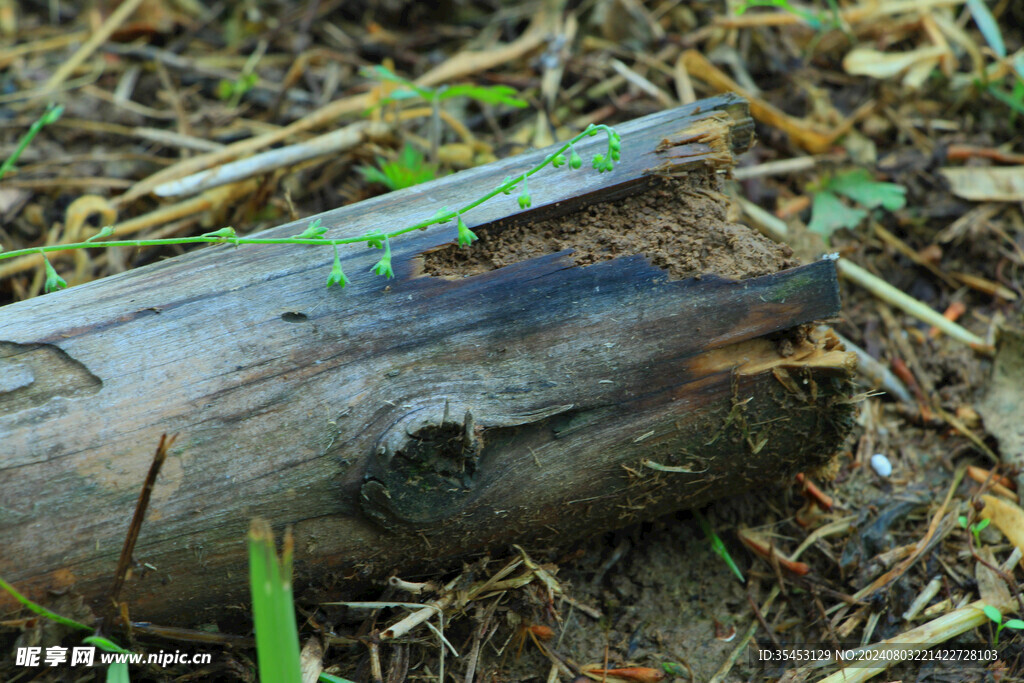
881,465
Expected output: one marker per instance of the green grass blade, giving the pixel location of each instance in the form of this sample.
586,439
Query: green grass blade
718,546
118,673
51,114
106,644
331,678
494,94
270,580
39,609
1013,101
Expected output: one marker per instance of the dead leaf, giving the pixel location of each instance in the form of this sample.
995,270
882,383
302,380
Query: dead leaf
865,61
1006,517
987,184
991,588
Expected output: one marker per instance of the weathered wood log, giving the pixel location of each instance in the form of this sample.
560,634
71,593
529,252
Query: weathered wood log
440,415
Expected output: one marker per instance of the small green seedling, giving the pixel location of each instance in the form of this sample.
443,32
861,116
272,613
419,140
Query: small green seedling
816,20
718,546
1014,97
51,115
235,90
315,234
232,92
410,168
829,213
996,616
975,528
989,27
674,669
485,94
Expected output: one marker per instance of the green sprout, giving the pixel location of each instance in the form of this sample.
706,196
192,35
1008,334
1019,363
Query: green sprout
235,90
383,266
337,276
718,546
996,616
1014,97
816,20
525,201
466,236
53,280
407,170
49,116
989,27
316,234
828,213
492,94
975,528
489,94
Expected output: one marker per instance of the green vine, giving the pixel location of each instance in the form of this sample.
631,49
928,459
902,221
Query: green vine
315,234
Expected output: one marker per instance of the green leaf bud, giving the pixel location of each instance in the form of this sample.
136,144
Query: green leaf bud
575,161
383,267
466,236
105,231
337,276
53,281
223,233
313,231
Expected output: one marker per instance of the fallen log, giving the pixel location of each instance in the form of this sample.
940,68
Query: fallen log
617,351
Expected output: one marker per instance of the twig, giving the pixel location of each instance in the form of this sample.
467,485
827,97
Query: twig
851,15
925,636
931,537
761,620
375,669
190,635
112,23
124,562
909,305
417,618
777,230
339,140
876,373
748,635
462,64
644,84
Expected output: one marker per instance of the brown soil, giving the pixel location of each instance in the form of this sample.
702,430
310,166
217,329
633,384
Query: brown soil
679,224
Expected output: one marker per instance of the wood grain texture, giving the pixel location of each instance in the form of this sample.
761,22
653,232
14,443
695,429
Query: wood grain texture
299,404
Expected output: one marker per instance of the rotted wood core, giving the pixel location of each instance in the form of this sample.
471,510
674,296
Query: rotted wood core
679,223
